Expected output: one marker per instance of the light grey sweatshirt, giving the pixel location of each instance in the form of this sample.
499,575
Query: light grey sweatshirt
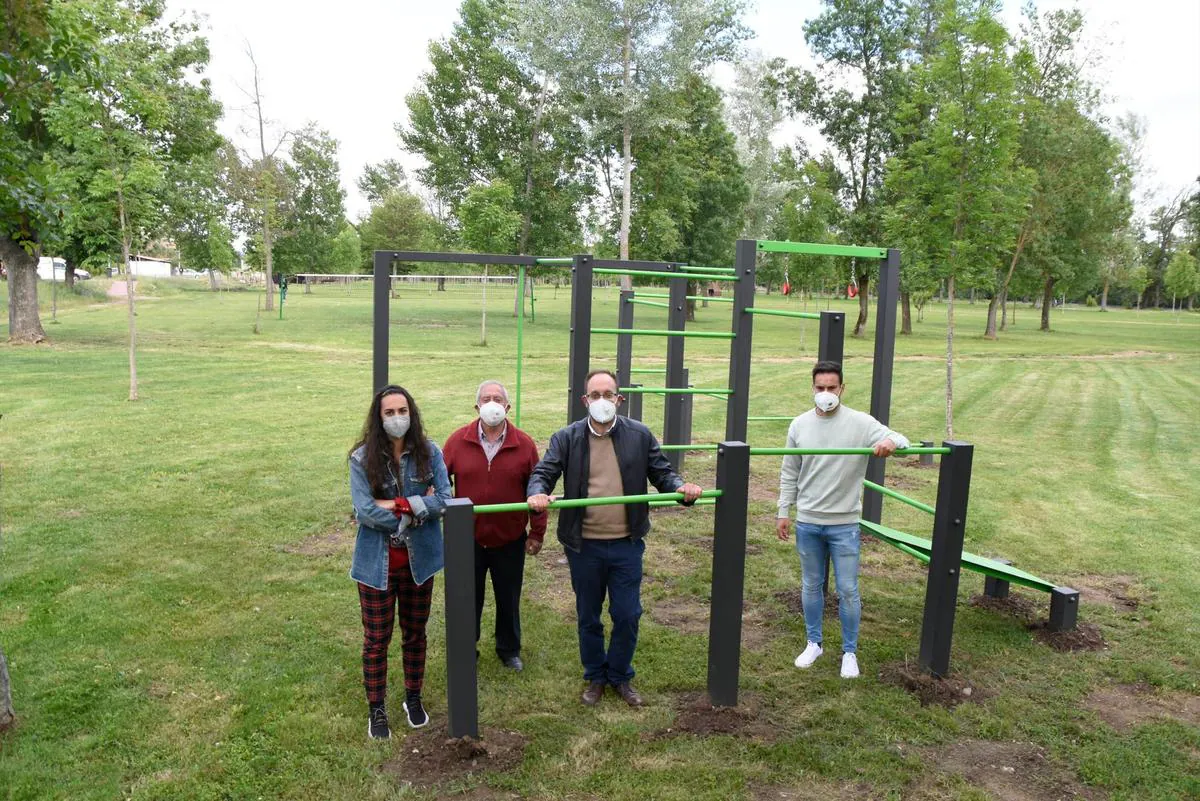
827,490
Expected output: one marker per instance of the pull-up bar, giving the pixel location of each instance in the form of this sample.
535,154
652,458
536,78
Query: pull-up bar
564,260
815,249
647,369
576,503
784,313
663,274
693,447
714,299
840,451
641,302
654,332
676,391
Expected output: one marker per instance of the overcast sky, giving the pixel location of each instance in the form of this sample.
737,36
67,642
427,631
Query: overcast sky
347,67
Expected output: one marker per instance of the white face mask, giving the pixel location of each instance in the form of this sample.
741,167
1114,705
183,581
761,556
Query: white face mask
602,410
491,413
826,401
396,426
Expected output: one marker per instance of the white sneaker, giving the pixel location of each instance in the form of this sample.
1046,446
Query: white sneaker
849,666
811,652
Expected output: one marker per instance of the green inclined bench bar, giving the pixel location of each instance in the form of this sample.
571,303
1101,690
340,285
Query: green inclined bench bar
814,249
655,332
575,503
839,451
663,274
891,493
783,313
677,391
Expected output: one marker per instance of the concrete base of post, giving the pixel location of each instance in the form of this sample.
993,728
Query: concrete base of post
994,587
926,459
1064,609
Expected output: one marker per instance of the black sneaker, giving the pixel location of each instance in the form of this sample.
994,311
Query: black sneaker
416,713
377,723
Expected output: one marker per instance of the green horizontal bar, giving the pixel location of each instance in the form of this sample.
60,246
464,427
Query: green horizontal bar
563,260
694,267
688,297
648,370
654,332
688,447
814,249
575,503
659,274
700,502
891,493
648,303
764,417
782,313
652,294
838,451
676,391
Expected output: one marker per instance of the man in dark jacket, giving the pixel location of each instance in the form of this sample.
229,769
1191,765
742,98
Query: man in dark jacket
490,461
605,456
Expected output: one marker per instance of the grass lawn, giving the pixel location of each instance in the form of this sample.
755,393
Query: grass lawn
179,624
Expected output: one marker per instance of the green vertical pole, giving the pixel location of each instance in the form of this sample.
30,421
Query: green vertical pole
520,335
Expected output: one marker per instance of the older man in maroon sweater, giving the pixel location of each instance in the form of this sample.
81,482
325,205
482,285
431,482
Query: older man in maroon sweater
490,461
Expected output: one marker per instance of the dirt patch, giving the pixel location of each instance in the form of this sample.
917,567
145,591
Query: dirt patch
899,481
1010,771
1014,606
948,692
553,586
793,601
337,540
1124,594
1125,706
695,714
815,789
689,615
428,758
1085,637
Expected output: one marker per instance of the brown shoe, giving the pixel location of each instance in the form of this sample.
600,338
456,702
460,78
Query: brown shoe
629,695
592,693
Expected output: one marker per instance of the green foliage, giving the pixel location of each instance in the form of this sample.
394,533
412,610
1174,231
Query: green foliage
380,180
1182,278
490,222
313,211
345,251
400,222
810,212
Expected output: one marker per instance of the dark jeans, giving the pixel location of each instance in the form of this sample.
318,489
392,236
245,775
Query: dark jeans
507,565
613,568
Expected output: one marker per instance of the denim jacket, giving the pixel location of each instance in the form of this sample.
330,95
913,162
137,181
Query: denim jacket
376,525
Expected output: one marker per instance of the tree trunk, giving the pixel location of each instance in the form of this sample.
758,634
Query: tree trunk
212,279
1004,310
1047,302
125,247
6,708
1104,295
24,324
864,283
905,313
693,289
441,287
268,261
950,358
626,151
69,275
989,331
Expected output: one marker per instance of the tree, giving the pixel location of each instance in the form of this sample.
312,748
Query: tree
959,191
490,224
400,222
1164,221
314,211
809,212
380,180
1182,279
753,114
612,57
345,251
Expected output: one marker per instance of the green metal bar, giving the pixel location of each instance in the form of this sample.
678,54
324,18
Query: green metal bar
782,313
648,303
575,503
663,274
695,267
700,502
814,249
688,447
676,391
764,417
564,260
654,332
839,451
891,493
520,338
652,294
688,297
648,370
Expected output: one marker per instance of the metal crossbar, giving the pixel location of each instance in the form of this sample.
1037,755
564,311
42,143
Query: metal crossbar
815,249
647,369
562,260
575,503
663,274
891,493
699,502
839,451
784,313
641,302
676,391
654,332
694,447
686,297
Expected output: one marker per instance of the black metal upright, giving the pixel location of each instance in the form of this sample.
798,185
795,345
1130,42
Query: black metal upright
737,408
945,557
625,341
673,404
881,372
831,347
462,690
728,573
581,335
379,339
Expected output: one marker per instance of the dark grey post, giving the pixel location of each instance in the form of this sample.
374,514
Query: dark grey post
994,587
581,335
624,341
881,372
673,404
379,340
926,459
635,404
737,408
728,573
945,562
831,346
1064,609
462,691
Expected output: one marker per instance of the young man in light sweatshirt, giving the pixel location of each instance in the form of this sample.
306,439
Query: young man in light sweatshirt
827,492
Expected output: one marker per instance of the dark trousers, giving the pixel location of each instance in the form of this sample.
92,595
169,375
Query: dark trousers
507,566
612,568
408,601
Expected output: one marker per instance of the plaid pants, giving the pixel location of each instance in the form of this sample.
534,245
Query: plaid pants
408,601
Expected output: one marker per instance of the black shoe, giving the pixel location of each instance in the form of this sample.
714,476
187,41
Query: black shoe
592,693
513,663
377,723
416,713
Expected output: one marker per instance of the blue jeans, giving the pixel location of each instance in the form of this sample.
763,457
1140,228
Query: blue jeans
612,567
815,544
